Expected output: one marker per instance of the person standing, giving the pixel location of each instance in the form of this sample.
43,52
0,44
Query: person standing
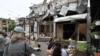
71,50
18,47
6,38
52,43
2,43
57,49
64,51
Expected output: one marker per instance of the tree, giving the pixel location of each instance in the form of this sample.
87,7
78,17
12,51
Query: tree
5,29
10,27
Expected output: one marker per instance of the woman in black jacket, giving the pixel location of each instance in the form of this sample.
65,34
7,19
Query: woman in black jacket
57,49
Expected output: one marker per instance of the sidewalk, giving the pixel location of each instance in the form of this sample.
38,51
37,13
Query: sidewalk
33,44
43,48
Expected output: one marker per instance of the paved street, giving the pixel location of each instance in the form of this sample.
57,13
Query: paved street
43,42
43,48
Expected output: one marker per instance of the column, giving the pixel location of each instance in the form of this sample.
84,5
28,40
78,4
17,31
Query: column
54,29
78,31
35,29
88,23
38,29
50,33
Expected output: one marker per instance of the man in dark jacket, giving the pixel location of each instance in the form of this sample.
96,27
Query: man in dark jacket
2,43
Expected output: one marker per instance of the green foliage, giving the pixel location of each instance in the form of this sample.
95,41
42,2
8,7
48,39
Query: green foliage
93,24
69,41
10,27
94,33
82,46
5,28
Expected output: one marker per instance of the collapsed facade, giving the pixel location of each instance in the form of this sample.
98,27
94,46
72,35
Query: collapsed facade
42,18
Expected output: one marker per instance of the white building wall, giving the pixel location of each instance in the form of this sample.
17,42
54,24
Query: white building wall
35,30
27,28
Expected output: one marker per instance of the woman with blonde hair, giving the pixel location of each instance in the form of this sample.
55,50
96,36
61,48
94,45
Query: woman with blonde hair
18,47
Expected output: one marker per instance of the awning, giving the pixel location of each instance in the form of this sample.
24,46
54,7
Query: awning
72,17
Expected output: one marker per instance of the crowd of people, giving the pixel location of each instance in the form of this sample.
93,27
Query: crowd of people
17,44
4,40
56,48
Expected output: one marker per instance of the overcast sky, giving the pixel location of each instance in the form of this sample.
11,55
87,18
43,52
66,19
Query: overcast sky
16,8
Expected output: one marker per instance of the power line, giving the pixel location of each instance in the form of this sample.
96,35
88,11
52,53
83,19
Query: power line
8,10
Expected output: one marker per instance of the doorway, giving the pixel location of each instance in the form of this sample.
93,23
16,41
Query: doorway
68,30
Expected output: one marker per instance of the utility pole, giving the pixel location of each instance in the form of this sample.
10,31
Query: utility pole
89,48
88,23
7,27
24,24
